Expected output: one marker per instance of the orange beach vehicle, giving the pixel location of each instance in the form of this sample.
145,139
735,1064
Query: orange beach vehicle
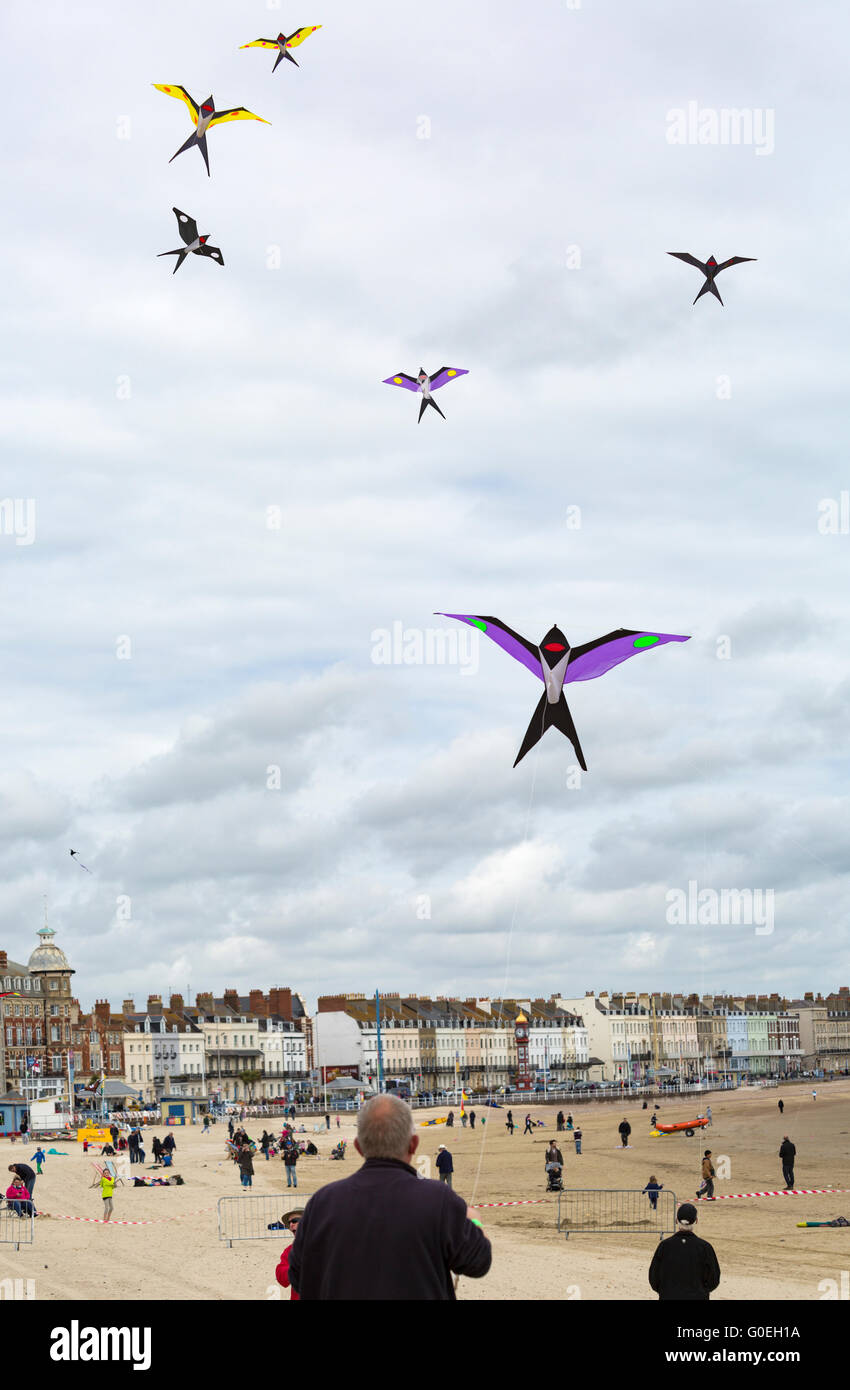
684,1126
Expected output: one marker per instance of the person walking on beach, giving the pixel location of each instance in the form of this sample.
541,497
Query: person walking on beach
787,1153
577,1139
38,1158
684,1267
169,1144
529,1127
652,1189
230,1126
814,1095
708,1115
450,1120
569,1122
107,1187
781,1106
382,1234
509,1122
559,1121
327,1122
654,1120
625,1130
472,1119
290,1159
553,1155
265,1145
445,1165
463,1118
206,1128
246,1166
156,1147
113,1130
706,1191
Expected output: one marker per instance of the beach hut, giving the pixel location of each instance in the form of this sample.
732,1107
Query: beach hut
13,1108
181,1110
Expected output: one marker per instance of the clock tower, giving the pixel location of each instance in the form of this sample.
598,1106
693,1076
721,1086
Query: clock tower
523,1079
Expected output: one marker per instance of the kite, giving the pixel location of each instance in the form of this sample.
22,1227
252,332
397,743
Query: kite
11,994
426,384
73,854
284,42
557,664
194,243
710,269
204,117
839,1221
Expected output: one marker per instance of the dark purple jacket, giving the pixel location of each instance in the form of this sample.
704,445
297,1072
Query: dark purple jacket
385,1234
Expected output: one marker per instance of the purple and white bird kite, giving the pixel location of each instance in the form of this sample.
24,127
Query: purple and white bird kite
557,664
426,384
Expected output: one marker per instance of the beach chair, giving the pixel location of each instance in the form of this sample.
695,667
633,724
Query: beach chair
109,1170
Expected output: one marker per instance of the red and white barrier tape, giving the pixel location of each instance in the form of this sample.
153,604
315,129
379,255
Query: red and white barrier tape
99,1221
782,1192
529,1202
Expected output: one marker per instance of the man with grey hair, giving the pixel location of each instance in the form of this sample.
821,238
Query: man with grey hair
381,1234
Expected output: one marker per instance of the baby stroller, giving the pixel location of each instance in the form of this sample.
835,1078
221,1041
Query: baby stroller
338,1151
553,1178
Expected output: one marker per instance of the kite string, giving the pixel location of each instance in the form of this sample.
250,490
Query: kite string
507,971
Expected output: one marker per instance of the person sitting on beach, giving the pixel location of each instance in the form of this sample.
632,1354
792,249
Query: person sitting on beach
19,1198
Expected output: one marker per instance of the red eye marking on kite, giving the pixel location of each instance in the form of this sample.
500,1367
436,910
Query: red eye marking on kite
554,647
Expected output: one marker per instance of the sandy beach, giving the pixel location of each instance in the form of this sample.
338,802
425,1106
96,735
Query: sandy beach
762,1252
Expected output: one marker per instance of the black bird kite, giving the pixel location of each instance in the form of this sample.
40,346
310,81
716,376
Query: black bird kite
73,854
710,269
284,42
195,244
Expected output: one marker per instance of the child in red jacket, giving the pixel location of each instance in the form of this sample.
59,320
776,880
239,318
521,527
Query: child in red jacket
282,1272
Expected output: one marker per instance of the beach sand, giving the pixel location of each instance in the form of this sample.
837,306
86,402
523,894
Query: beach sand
762,1252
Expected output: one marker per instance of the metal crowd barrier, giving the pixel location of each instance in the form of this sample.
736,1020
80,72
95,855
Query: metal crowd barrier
615,1211
15,1230
248,1218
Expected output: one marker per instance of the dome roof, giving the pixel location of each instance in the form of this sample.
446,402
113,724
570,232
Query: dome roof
46,956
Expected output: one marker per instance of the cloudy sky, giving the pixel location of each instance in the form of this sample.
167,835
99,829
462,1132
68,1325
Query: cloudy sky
213,509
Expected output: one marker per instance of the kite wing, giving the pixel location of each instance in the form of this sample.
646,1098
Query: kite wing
260,43
735,260
211,251
182,95
686,256
402,379
301,34
504,637
239,113
446,374
595,658
188,226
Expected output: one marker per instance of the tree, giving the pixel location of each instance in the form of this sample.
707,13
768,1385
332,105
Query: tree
249,1078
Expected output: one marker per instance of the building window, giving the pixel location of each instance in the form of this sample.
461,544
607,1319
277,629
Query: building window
53,984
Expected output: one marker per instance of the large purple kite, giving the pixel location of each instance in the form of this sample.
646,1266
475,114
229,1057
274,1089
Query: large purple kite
426,384
557,664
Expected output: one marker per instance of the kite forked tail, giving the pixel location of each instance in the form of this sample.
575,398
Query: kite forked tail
284,54
180,254
709,288
426,401
544,717
202,146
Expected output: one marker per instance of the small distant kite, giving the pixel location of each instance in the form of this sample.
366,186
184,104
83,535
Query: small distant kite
204,117
710,269
195,244
426,384
77,860
11,994
557,664
284,42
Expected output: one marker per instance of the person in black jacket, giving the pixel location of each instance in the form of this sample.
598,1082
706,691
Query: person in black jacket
684,1267
787,1152
625,1130
445,1165
384,1234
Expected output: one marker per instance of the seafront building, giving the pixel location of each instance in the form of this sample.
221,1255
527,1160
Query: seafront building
266,1046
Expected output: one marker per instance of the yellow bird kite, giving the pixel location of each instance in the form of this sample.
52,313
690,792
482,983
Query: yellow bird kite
284,42
203,117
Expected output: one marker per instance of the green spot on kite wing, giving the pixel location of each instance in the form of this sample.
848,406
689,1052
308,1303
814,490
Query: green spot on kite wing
477,623
646,641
